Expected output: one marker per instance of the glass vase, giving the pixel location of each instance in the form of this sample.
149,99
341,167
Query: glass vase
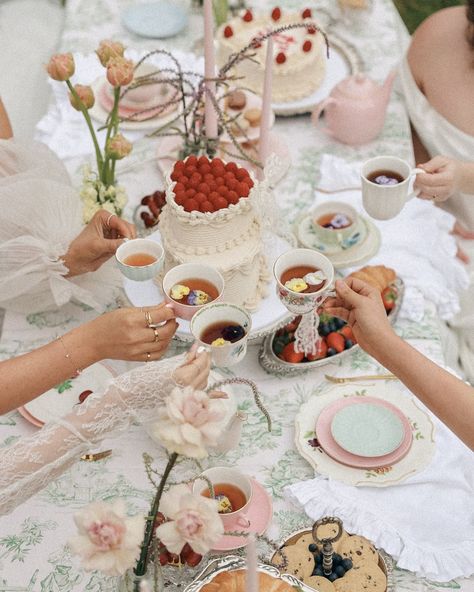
152,581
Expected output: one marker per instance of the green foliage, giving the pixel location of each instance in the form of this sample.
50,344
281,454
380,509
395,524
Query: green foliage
413,12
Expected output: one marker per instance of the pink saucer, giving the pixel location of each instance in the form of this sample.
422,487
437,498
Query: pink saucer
332,448
260,515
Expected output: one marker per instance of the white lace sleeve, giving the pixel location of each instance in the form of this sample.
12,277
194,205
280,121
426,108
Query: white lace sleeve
31,463
40,214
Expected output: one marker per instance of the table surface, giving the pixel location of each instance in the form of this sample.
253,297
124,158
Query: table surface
33,551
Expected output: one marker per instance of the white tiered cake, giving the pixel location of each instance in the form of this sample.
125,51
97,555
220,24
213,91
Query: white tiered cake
229,238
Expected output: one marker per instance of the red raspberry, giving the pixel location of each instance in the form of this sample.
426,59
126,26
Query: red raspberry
241,174
207,206
248,181
194,184
208,177
212,185
190,170
190,192
233,197
276,14
200,198
311,30
248,16
220,203
280,58
229,177
306,13
217,162
183,180
179,165
205,169
196,177
202,160
176,174
307,45
179,187
220,181
228,32
232,167
213,196
243,190
204,188
233,184
180,199
191,161
190,205
222,190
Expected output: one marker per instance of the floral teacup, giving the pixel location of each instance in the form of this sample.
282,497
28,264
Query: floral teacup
303,302
227,353
345,230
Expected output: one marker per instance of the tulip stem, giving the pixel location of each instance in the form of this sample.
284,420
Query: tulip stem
140,568
112,126
98,153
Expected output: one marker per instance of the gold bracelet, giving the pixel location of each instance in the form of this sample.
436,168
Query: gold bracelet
77,371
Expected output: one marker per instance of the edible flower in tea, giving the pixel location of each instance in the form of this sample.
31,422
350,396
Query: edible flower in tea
198,297
178,292
219,342
340,221
296,285
315,278
223,504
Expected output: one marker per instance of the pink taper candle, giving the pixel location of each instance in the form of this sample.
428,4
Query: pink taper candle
209,70
266,107
251,575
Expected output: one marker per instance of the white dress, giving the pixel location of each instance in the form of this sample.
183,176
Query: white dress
439,136
40,214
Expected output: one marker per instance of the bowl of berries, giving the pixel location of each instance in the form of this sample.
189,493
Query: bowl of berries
336,339
147,215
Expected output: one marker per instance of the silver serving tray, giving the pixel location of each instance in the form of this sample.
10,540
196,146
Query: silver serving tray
233,562
273,365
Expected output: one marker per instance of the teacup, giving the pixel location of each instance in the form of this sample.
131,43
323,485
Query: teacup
225,475
299,302
383,202
140,246
219,312
343,237
187,271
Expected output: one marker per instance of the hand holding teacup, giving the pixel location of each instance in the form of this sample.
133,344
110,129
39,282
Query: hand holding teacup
386,184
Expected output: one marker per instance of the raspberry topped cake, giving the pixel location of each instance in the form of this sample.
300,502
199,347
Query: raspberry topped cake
299,54
211,217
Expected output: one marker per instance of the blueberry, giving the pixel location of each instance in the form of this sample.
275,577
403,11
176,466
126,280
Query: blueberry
336,558
347,564
348,343
313,548
332,576
340,571
331,352
318,571
233,333
332,325
323,329
339,323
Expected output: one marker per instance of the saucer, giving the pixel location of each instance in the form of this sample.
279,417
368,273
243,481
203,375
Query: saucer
260,515
155,20
307,236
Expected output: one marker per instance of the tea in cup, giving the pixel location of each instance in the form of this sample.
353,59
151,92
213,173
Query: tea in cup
386,186
224,329
336,224
140,259
190,286
233,491
304,279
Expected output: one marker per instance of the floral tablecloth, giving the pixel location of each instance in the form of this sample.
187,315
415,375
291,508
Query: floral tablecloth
33,552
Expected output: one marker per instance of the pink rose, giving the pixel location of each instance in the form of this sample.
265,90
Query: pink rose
86,96
61,66
194,519
119,71
107,539
109,49
118,147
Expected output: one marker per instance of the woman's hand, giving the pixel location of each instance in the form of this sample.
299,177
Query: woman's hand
360,305
124,334
442,179
97,243
195,371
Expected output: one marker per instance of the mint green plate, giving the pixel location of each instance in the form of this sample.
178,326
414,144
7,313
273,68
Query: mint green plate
367,430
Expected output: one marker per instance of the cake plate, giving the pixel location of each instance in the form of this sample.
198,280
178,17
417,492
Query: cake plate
270,316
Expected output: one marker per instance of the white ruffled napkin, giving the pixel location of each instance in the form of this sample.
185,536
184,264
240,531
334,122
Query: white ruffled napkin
64,130
425,522
416,243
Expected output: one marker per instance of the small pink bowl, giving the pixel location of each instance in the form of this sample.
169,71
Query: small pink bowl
187,271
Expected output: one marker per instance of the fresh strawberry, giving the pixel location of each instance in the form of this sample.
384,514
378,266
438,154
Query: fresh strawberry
321,351
348,334
336,341
290,355
164,557
193,559
389,297
280,58
248,16
307,45
306,13
83,396
276,13
148,219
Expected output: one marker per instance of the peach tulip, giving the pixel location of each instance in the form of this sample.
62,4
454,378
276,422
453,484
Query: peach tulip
119,71
61,66
109,49
86,96
118,147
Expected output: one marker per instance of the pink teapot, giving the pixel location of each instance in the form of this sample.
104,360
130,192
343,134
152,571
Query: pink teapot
355,110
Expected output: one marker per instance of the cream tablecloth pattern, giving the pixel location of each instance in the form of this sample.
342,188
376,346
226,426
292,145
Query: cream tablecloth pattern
33,553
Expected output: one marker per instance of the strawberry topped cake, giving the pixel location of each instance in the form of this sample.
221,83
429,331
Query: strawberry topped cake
211,216
299,54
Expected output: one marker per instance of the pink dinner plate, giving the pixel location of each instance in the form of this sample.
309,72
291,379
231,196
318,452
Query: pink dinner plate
332,448
259,514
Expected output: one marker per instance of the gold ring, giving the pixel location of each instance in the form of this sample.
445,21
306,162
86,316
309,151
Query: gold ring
148,356
108,219
149,320
157,336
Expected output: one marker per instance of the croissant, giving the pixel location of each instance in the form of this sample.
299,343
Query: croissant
377,276
234,581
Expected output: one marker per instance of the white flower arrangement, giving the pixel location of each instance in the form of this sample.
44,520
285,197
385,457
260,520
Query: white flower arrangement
96,196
